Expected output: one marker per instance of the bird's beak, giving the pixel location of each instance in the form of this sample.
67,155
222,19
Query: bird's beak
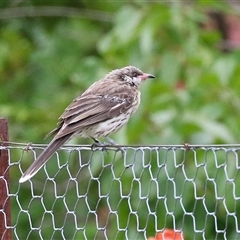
145,76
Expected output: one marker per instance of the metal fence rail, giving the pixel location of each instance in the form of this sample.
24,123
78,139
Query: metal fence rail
126,192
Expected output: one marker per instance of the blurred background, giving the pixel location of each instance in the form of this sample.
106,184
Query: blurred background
51,51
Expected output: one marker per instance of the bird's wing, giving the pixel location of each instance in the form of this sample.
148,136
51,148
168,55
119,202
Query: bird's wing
91,109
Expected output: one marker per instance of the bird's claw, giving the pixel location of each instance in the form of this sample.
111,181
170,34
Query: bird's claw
103,145
99,145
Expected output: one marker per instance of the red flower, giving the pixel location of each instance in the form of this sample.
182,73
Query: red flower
168,234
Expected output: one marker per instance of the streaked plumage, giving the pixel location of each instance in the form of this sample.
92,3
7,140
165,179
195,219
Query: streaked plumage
101,110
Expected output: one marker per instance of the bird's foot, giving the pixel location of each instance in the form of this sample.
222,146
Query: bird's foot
98,144
103,145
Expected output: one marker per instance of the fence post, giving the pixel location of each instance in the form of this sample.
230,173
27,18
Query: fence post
5,211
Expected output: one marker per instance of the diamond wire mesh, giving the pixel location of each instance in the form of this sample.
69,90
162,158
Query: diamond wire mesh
131,193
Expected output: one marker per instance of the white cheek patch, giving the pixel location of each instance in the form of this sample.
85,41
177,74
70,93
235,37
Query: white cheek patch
136,81
132,81
128,79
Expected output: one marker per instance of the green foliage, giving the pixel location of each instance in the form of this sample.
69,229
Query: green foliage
46,62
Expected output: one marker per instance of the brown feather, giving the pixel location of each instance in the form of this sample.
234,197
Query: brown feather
92,109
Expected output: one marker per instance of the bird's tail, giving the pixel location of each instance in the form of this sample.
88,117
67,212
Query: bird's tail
53,146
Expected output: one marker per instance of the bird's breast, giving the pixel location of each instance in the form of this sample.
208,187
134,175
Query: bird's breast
105,128
113,124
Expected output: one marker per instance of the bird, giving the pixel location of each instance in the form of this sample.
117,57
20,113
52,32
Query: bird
101,110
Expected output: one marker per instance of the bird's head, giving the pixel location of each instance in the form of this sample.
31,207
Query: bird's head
131,75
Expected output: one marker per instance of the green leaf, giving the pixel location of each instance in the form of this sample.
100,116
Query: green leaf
224,67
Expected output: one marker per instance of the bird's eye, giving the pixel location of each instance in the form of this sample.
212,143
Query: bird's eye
135,74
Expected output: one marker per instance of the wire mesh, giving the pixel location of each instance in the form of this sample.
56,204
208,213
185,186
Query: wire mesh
126,192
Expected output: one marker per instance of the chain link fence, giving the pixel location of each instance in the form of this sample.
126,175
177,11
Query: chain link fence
125,192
